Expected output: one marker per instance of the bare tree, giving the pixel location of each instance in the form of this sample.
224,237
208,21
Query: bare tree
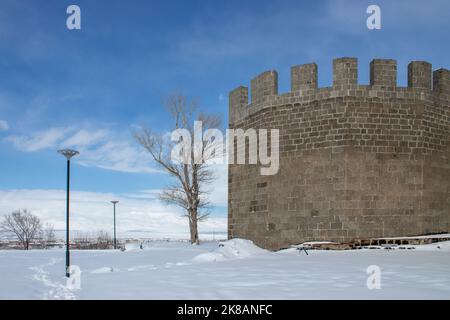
190,176
104,240
48,235
25,226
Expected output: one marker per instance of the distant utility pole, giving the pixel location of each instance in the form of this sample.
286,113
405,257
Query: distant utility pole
68,153
115,239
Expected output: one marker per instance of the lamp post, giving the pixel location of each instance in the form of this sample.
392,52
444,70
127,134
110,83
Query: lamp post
115,239
68,153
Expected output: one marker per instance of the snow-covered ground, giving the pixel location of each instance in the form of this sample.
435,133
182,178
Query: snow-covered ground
235,270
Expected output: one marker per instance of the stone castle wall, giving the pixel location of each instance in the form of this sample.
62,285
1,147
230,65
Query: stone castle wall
356,161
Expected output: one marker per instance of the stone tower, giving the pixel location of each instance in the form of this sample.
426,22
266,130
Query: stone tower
356,161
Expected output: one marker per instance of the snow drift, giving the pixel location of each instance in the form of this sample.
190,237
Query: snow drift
230,250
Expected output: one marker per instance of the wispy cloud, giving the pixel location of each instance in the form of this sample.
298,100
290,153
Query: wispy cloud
40,140
85,138
139,214
102,148
117,155
4,125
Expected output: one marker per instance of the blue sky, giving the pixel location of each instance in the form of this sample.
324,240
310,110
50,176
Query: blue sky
91,88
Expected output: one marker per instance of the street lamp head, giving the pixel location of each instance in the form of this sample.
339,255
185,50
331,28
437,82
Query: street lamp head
114,202
68,153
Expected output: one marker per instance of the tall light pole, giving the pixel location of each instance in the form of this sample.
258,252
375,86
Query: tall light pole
115,239
68,153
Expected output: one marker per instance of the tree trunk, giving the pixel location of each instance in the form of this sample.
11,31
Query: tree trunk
193,227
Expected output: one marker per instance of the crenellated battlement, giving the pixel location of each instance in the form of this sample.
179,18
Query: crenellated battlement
345,72
441,81
304,77
423,84
355,161
383,72
264,85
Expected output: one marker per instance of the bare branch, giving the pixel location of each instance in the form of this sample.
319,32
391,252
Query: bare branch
190,179
25,226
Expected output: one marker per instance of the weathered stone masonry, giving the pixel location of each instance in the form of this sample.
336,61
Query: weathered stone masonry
356,161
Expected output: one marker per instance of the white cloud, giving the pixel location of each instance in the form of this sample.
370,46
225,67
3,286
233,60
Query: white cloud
40,140
3,125
85,138
137,215
115,154
102,148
